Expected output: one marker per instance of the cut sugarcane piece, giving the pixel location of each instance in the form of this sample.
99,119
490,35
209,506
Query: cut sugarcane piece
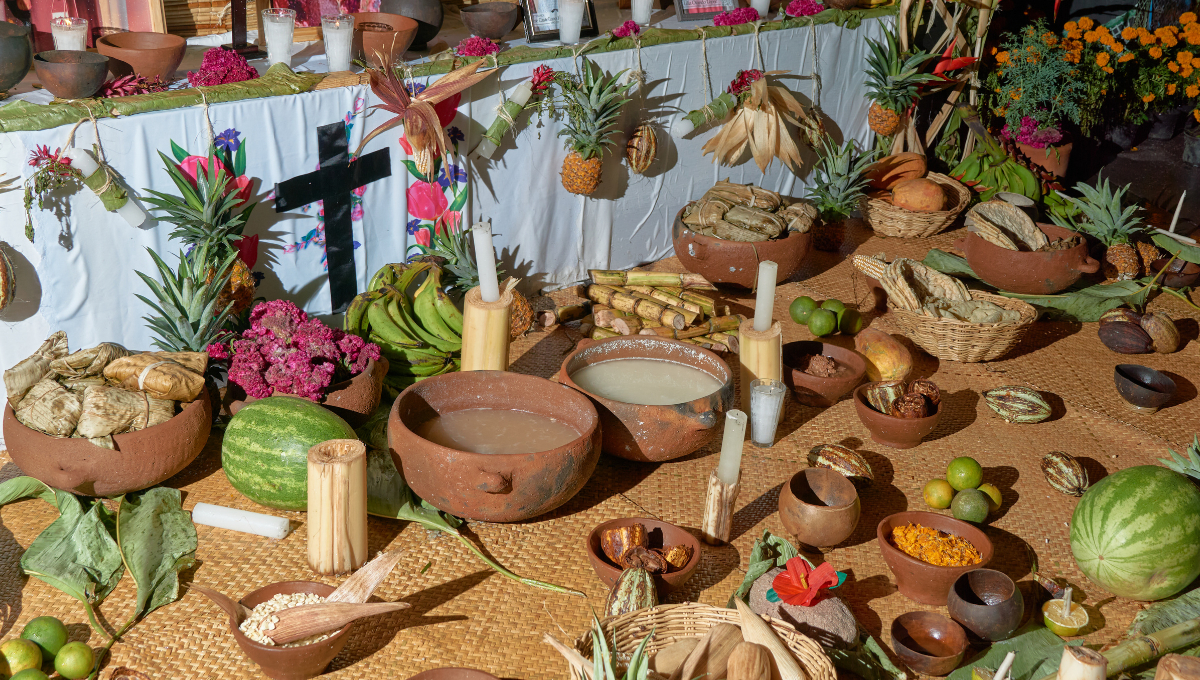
647,309
603,315
1081,663
563,314
1146,648
689,316
707,305
730,340
720,324
621,278
485,335
674,300
1178,667
629,324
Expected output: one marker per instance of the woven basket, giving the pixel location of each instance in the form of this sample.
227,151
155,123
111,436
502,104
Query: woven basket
674,622
963,341
888,220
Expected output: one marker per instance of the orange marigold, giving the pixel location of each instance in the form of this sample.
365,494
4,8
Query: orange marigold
1002,57
1086,23
1147,38
1128,56
1170,41
1173,66
1196,113
1090,36
1016,96
1193,38
1193,90
1117,48
994,50
1156,52
1102,59
1070,26
1148,98
1170,88
1187,18
1186,71
1106,69
1128,33
1049,39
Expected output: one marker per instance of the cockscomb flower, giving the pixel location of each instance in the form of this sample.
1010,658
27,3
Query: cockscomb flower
220,66
742,82
741,15
804,8
627,29
476,46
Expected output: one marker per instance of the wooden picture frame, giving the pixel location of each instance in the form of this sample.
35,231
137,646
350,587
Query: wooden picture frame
541,20
702,10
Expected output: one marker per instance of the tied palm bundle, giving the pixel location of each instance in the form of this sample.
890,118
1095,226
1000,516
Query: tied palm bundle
761,123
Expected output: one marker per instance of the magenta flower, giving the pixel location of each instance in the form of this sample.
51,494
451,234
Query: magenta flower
476,46
741,15
804,8
627,29
1031,135
221,66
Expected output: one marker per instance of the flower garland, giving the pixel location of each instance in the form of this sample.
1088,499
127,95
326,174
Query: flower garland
741,15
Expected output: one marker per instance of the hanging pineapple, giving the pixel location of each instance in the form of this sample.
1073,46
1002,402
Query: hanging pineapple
1103,218
593,105
893,80
641,148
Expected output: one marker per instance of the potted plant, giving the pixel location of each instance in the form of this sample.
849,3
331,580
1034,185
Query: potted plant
1159,71
838,182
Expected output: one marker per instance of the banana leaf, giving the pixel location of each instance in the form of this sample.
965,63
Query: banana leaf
1038,654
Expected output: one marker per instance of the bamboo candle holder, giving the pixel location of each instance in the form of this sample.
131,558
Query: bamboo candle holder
761,357
337,506
485,331
718,509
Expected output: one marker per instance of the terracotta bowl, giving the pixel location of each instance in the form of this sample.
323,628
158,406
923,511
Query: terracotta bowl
921,581
987,603
493,487
819,507
660,534
1142,387
290,663
1025,272
354,399
71,74
144,53
382,33
429,15
491,19
1179,275
654,433
898,433
453,674
811,390
928,643
736,263
16,54
141,459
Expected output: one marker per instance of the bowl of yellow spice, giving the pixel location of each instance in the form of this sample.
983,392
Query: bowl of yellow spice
927,552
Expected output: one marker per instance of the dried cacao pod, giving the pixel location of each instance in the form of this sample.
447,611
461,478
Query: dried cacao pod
644,558
641,148
1064,473
1017,404
927,389
1164,336
842,461
910,405
1124,337
616,542
633,590
8,278
1120,314
676,556
880,395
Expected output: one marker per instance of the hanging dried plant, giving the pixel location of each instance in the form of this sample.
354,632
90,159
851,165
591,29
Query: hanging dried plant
761,122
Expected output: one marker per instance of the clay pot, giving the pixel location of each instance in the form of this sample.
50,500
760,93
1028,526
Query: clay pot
144,53
921,581
819,507
141,459
1180,274
1165,125
987,603
427,13
928,643
370,41
736,263
453,674
71,74
654,433
354,399
1030,273
290,663
898,433
812,390
1144,389
493,487
660,534
16,54
491,19
1052,158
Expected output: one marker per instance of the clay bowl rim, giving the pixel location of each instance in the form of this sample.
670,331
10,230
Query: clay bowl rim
986,551
23,31
459,673
787,488
861,399
991,249
860,371
491,7
674,579
983,606
922,616
377,18
169,41
1149,396
565,374
275,649
1190,270
78,58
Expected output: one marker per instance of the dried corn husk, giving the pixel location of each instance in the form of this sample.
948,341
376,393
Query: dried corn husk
109,410
872,265
761,124
755,219
156,375
1005,225
19,379
911,285
89,361
745,194
49,407
78,385
799,216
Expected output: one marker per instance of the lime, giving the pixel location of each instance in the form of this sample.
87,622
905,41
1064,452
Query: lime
938,494
964,472
850,322
801,308
1061,624
31,674
993,495
18,655
48,633
834,306
970,505
822,322
74,661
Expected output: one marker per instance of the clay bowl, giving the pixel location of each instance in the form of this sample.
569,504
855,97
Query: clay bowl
654,433
1179,275
491,19
380,33
141,459
493,487
354,399
736,263
660,534
16,54
1142,387
1030,273
819,507
811,390
921,581
429,15
290,663
898,433
453,674
71,74
987,603
144,53
928,643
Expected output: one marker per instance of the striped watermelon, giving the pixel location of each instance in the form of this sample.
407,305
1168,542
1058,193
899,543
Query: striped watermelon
1137,533
265,450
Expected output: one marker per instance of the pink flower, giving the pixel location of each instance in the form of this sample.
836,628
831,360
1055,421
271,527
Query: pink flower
627,29
476,46
426,201
243,184
451,219
804,8
741,15
221,66
422,237
217,351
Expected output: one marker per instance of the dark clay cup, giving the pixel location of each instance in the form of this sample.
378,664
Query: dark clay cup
898,433
734,262
144,53
819,507
811,390
1180,274
16,54
354,399
987,603
1030,273
921,581
1142,387
71,74
492,20
290,663
928,643
453,674
380,34
660,534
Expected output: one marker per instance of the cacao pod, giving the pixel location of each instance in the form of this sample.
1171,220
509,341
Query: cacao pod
633,590
641,148
1120,314
880,395
616,542
644,558
8,278
910,405
1064,473
887,359
1164,336
1017,404
1124,337
841,460
927,389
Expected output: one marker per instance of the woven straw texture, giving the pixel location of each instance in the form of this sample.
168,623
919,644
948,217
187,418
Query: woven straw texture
889,220
967,342
463,614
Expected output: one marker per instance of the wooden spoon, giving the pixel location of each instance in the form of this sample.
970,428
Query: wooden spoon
297,623
237,610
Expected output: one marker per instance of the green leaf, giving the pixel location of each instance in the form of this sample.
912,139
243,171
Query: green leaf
76,553
948,264
412,170
157,540
1183,250
239,160
180,152
459,201
1038,654
866,660
768,552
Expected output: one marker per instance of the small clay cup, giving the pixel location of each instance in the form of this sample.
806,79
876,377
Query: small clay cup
811,390
734,262
1030,273
71,74
453,674
290,663
921,581
987,603
354,399
492,20
819,507
1144,389
928,643
660,534
898,433
16,54
370,41
1180,274
144,53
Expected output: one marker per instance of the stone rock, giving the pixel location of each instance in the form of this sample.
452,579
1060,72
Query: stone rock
830,622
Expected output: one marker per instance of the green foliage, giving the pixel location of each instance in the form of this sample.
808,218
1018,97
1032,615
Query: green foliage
1189,466
604,658
1037,81
839,178
203,214
1038,654
894,77
1103,216
188,319
595,103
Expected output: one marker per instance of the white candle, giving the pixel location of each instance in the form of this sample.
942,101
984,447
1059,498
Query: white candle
763,7
240,520
764,302
522,93
278,25
766,403
338,32
730,465
520,97
682,128
570,20
485,262
1178,207
641,11
82,161
70,33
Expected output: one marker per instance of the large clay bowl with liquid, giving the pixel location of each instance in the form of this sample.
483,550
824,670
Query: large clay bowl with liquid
71,74
147,54
659,534
493,487
889,430
290,663
812,390
650,433
819,507
492,20
141,459
379,33
1030,273
734,262
928,643
920,581
16,54
987,603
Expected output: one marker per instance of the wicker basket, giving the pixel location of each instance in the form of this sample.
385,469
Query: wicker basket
962,341
888,220
674,622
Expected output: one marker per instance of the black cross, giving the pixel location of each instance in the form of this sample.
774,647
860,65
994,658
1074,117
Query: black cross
332,184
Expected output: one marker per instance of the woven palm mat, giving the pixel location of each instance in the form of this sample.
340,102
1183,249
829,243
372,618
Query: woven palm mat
463,614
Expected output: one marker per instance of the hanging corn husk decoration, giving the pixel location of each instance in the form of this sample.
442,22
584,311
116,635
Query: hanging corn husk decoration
8,279
761,123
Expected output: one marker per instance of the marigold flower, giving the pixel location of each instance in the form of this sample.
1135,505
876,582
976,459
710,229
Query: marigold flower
1117,48
1049,39
1196,113
1193,38
1148,98
994,50
1090,36
1156,52
1104,91
1128,33
1186,71
1002,57
1070,26
1016,96
1086,23
1170,88
1106,69
1184,57
1193,90
1173,66
1147,38
1107,40
1187,18
1170,41
1128,56
1102,59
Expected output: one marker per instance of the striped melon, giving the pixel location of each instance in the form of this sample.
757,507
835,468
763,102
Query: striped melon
265,449
1137,533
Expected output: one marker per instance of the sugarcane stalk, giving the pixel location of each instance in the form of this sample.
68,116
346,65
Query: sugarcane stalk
675,300
647,309
628,325
690,317
717,325
1146,648
603,315
609,277
1081,663
703,345
726,340
644,290
563,314
602,333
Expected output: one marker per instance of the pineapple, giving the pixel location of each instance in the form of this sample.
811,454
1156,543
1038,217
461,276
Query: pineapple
838,182
893,79
189,315
593,106
1104,219
1149,253
454,247
1189,465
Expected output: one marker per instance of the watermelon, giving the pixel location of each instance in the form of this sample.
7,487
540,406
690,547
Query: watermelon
265,449
1136,533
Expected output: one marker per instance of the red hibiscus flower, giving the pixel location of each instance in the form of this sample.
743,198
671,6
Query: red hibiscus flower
426,201
248,250
243,184
800,585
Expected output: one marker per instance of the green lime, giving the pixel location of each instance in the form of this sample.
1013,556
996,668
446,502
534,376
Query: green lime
850,322
834,306
74,661
18,655
970,505
48,633
32,674
1064,625
993,495
964,472
801,308
822,322
938,494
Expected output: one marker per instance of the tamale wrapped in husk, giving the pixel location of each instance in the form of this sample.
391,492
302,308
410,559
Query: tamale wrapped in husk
745,194
732,232
109,410
49,407
89,361
705,212
195,362
157,376
158,411
755,219
19,379
799,216
78,385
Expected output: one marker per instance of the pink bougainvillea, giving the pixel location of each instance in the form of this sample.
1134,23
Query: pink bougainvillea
741,15
222,66
627,29
1030,135
804,8
476,46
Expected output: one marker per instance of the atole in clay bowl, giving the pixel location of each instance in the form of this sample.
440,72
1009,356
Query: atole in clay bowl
928,643
142,52
379,34
1029,273
658,534
812,390
453,674
354,399
290,663
819,507
920,581
893,431
987,603
652,433
493,487
141,459
735,262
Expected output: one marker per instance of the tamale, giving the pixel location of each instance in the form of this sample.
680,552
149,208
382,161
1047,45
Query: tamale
732,232
50,408
799,216
755,219
109,410
195,362
158,412
157,376
19,379
78,385
89,361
